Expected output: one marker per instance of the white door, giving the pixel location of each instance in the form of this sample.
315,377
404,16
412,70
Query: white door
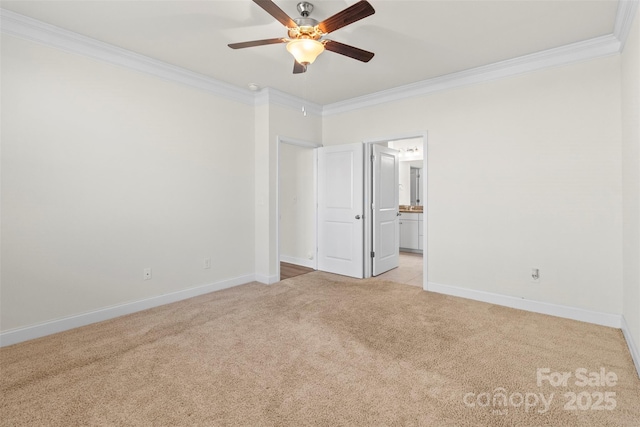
386,192
340,210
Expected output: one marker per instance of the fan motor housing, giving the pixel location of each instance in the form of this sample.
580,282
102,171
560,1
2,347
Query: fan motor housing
307,28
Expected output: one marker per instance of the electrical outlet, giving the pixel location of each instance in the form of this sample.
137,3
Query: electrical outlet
535,275
147,274
207,262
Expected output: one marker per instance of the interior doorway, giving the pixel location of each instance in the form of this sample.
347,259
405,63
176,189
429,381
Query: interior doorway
413,249
296,197
290,166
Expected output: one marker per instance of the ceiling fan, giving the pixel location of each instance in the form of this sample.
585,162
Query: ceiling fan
305,35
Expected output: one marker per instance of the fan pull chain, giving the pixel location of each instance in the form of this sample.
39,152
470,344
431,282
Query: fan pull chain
304,110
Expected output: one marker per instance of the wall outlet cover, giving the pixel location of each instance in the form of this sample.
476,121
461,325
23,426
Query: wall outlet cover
535,275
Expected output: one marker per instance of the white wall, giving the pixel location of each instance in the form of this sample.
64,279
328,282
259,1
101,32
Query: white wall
523,172
631,179
106,171
263,191
297,205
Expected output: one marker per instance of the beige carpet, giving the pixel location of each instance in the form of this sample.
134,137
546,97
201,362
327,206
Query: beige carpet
322,350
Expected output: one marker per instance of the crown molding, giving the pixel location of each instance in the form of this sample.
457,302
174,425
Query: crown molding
40,32
275,97
588,49
30,29
624,19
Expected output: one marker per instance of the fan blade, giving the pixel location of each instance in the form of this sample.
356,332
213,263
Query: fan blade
350,51
272,9
353,13
256,43
298,68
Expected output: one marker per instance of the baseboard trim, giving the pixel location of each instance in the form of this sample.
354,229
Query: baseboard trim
297,261
633,348
567,312
15,336
266,279
605,319
413,251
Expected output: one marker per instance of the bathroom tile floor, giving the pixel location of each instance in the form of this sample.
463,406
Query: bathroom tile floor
408,272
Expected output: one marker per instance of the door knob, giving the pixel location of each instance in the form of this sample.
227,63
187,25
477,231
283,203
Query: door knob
357,216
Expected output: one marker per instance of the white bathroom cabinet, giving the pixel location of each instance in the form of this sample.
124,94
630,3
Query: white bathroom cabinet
411,231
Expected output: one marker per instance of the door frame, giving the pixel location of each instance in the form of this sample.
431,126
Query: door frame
311,146
368,188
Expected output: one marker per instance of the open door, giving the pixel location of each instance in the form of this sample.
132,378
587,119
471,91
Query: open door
386,193
340,210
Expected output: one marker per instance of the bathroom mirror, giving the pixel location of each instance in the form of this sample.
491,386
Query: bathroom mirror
411,177
411,183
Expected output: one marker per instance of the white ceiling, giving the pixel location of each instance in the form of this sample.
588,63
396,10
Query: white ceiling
413,40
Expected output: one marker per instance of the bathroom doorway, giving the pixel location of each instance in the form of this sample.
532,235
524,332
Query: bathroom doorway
411,209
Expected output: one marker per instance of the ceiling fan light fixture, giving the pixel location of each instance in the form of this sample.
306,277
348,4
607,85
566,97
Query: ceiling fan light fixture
305,35
305,51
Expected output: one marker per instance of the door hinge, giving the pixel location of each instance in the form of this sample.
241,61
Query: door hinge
373,254
373,206
373,157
